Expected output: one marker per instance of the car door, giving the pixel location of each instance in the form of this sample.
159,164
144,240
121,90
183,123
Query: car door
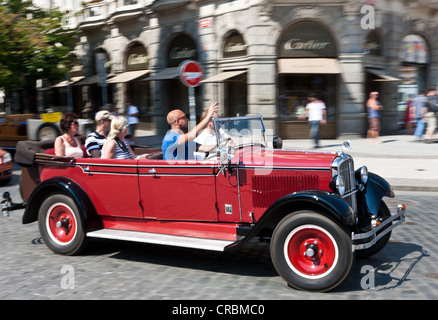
113,186
179,190
227,194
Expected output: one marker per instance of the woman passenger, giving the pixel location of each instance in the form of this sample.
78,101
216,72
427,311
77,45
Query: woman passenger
116,147
68,145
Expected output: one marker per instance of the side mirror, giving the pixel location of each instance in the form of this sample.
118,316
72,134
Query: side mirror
277,143
223,156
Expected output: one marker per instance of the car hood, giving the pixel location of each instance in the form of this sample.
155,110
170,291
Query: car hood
261,157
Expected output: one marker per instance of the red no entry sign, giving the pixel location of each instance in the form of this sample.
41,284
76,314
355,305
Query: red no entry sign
190,73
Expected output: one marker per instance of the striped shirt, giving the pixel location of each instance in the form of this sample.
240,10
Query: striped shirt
122,151
94,141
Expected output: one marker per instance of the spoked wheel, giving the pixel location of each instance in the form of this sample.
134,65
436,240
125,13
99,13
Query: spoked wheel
61,225
311,252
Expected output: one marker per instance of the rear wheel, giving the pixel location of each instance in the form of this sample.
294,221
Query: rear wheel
311,252
61,225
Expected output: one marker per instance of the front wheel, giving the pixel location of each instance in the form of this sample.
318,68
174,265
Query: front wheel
61,225
311,252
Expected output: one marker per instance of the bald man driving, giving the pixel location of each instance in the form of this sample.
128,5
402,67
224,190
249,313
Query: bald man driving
178,143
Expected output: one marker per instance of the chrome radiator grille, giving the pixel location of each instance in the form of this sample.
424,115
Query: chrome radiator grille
344,166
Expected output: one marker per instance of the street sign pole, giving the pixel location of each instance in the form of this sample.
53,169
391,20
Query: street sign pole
192,107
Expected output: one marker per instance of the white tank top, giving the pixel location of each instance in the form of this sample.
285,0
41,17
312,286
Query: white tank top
75,152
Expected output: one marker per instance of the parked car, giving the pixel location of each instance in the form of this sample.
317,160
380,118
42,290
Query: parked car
22,127
316,209
5,166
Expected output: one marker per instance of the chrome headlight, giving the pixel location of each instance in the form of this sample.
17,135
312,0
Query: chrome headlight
364,175
340,185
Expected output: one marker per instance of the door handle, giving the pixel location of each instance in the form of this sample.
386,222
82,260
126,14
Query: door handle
153,171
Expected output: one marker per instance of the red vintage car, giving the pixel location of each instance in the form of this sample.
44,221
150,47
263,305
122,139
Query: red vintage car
5,166
316,209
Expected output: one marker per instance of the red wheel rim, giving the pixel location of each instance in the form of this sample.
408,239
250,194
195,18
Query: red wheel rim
61,223
311,251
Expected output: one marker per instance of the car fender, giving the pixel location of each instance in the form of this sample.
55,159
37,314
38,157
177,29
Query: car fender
322,202
57,184
375,189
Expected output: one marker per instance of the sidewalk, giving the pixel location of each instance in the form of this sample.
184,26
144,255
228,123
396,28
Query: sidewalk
405,163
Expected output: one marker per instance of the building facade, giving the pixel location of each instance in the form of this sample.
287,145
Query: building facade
258,56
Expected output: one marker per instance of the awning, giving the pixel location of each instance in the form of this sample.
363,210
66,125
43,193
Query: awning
128,76
165,74
65,83
87,81
94,79
309,66
382,75
223,76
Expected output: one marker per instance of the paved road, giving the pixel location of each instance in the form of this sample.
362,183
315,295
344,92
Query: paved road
405,269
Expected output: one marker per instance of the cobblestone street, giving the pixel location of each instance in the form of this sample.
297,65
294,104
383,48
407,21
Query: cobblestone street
405,269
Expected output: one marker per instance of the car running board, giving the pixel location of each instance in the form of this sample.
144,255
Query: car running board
163,239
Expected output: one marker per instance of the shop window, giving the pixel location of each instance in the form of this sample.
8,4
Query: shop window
294,90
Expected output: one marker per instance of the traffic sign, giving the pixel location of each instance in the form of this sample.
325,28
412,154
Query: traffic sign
190,73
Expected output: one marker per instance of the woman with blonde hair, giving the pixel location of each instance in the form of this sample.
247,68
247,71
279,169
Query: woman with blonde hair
116,147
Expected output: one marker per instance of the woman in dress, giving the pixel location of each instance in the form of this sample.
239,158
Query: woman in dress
116,147
67,145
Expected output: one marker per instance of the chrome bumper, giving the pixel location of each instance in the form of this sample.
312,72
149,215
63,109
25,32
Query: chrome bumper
374,234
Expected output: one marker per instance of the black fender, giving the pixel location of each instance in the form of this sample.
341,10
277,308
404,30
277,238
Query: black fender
374,190
60,185
322,202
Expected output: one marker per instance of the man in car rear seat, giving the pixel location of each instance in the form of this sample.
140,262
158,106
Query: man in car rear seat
96,139
178,143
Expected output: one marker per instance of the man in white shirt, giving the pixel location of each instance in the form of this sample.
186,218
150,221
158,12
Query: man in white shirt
132,115
316,113
207,135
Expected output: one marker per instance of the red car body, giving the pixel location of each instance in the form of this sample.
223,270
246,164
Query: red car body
315,208
5,166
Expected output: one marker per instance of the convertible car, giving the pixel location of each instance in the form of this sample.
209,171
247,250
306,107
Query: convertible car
316,209
5,166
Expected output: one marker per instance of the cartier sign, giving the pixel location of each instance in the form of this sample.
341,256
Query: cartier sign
137,58
180,49
298,44
234,46
307,39
182,53
373,44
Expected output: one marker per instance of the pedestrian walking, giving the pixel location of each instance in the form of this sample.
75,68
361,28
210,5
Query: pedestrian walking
316,113
420,110
430,116
373,108
132,115
409,115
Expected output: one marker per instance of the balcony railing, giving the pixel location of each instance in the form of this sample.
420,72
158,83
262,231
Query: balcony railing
102,10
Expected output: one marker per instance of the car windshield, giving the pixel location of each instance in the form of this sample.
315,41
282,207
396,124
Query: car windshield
241,131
